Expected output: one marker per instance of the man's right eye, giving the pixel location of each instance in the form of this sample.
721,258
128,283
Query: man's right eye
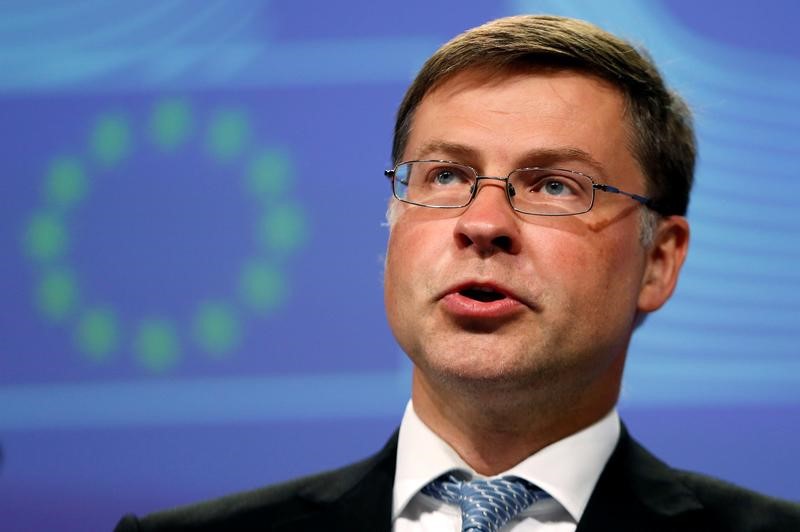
446,176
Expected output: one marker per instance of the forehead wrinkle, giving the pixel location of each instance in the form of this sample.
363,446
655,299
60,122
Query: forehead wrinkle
448,149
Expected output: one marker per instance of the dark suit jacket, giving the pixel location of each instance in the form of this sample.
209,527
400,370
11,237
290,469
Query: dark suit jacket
636,493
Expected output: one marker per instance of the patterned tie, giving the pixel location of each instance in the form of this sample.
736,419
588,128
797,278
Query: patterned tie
486,505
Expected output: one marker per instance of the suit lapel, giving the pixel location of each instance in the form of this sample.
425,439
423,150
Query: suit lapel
358,499
637,492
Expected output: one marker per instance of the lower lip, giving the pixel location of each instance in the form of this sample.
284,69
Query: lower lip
462,306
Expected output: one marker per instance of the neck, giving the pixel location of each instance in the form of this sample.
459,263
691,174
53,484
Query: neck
493,431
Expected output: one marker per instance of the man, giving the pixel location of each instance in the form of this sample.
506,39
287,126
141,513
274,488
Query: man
542,174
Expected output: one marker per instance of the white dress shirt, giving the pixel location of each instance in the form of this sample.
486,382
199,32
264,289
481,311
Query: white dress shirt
568,470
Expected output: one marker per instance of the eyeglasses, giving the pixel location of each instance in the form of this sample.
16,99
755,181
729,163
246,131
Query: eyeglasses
538,191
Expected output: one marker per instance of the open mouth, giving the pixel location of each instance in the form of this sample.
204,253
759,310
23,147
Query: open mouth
481,305
484,295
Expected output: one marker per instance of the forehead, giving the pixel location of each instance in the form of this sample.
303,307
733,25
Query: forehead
504,117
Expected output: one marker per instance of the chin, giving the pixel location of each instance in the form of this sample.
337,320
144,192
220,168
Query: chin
484,368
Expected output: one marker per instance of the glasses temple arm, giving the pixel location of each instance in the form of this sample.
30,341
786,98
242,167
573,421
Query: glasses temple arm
644,200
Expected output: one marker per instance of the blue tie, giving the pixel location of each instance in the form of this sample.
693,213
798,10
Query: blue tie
486,505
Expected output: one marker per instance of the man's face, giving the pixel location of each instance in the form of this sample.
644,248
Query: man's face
486,294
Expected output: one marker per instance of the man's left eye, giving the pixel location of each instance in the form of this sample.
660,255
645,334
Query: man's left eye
556,187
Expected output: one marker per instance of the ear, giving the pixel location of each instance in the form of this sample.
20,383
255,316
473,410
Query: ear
664,260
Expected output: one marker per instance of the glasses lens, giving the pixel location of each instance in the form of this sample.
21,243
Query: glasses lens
434,183
553,192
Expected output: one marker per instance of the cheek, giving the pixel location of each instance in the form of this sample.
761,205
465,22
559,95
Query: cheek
618,265
417,244
598,270
410,261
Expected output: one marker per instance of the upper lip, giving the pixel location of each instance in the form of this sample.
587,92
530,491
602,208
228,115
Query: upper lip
492,286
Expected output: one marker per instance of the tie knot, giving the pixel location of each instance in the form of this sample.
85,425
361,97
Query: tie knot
486,504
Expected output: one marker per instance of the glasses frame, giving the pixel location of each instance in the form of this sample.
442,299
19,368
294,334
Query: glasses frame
392,174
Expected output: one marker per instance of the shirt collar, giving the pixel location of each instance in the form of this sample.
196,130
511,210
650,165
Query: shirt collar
567,469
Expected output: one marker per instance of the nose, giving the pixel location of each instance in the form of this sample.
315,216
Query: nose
489,225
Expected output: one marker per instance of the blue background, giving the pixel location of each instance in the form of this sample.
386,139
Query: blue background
305,374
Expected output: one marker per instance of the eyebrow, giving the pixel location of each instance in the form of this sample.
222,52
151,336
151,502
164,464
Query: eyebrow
536,157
